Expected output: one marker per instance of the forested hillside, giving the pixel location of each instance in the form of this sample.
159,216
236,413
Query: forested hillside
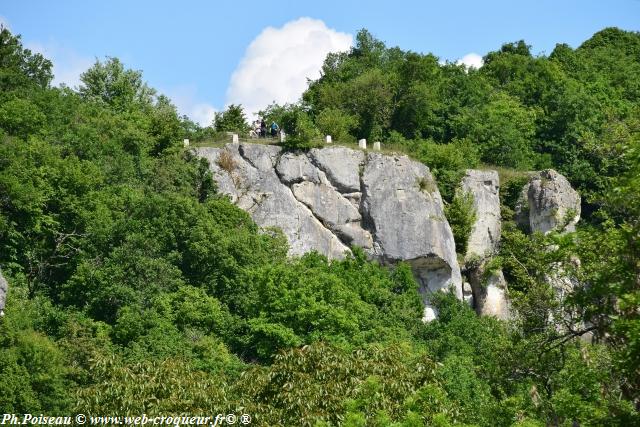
134,287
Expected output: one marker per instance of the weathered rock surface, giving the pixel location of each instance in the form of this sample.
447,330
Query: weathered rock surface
326,203
293,168
332,198
255,187
551,203
4,288
484,187
342,166
354,234
492,299
489,290
402,207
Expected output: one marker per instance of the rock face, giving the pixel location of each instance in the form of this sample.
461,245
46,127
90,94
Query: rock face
484,187
4,287
402,207
329,199
549,202
489,290
247,173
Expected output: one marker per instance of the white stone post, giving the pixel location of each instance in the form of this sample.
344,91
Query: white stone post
376,146
234,138
362,144
282,136
185,142
328,139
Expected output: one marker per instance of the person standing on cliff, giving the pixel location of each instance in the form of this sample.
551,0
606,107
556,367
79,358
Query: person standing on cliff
274,129
263,129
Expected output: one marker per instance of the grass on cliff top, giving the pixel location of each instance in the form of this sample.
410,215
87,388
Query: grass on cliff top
389,149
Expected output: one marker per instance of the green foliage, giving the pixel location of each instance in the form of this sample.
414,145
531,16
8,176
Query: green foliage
232,119
447,162
334,122
503,128
19,67
135,288
461,215
110,83
298,127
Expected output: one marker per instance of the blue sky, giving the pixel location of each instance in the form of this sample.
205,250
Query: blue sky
190,50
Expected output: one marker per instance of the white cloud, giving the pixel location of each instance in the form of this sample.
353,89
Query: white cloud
186,100
278,62
471,60
67,63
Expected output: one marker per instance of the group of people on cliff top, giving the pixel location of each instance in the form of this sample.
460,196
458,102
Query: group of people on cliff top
260,129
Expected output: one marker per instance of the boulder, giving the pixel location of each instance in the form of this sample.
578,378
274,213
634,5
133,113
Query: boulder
402,207
342,166
4,288
552,204
485,233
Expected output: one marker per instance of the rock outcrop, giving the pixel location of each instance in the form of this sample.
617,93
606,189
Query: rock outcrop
548,203
484,187
332,198
489,289
4,288
402,207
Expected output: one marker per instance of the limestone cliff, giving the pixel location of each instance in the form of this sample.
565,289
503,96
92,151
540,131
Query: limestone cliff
332,198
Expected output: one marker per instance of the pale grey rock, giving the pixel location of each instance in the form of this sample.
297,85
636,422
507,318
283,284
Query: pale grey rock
227,180
550,204
4,288
402,207
490,292
493,300
255,187
354,198
293,168
467,294
553,204
262,157
342,166
353,234
485,234
326,203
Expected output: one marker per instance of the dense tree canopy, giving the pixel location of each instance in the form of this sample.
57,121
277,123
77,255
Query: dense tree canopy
136,288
